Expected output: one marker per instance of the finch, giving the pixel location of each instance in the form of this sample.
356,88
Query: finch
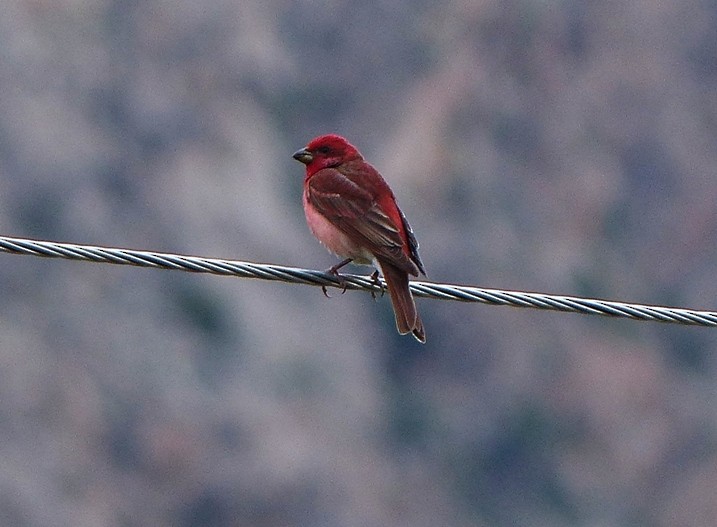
352,211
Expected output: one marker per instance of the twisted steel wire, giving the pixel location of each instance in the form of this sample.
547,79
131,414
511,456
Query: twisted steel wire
195,264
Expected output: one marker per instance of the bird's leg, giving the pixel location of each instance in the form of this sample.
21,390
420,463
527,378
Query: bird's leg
378,283
334,270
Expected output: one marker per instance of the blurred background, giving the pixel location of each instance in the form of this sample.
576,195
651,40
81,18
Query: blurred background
553,146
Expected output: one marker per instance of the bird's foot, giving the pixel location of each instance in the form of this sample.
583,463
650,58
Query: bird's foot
377,283
334,270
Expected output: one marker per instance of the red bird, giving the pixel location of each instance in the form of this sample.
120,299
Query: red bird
353,212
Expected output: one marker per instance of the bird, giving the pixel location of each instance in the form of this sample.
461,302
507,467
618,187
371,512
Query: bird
353,212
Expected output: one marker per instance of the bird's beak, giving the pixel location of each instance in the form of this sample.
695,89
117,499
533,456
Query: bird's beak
303,156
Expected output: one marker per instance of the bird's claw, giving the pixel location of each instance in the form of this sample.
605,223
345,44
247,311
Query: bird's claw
377,283
340,279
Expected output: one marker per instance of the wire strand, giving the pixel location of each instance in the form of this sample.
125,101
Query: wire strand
195,264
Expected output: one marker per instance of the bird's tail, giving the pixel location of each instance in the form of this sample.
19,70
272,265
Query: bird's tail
407,319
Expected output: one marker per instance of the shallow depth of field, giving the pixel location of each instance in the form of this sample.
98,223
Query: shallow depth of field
560,147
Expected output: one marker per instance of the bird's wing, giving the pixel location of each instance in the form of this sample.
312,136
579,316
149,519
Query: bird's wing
358,214
412,244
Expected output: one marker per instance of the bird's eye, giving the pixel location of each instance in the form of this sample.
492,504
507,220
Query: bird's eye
323,150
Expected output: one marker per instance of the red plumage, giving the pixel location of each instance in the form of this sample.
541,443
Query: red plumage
351,209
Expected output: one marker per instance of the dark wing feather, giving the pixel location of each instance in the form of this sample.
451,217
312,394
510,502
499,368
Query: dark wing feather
412,244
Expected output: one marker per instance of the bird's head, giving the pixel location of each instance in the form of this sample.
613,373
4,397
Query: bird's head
326,151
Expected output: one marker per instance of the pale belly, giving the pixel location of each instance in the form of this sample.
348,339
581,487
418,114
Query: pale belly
332,238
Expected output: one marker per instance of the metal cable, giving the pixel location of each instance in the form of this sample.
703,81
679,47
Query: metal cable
589,306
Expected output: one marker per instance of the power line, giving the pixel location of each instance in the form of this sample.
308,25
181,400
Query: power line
195,264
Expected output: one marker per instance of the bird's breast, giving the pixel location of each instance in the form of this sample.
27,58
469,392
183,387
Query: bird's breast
332,237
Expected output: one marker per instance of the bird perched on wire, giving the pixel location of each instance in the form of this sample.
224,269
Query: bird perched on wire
352,211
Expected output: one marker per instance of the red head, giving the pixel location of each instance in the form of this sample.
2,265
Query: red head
326,151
